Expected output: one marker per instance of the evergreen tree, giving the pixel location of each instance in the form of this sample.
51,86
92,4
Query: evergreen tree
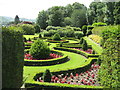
84,45
47,76
16,20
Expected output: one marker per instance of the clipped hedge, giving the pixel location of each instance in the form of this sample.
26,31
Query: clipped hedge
77,51
53,41
12,58
34,84
49,62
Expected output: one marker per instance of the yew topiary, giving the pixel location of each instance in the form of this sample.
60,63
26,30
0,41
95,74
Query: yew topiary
40,50
84,45
47,76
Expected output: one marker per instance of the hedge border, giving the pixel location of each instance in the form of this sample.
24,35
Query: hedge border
57,41
49,62
77,51
33,83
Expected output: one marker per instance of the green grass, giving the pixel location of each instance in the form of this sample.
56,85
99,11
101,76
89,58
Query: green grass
30,36
96,47
75,61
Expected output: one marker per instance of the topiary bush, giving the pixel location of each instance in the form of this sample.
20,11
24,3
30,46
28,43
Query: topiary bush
47,76
84,45
84,29
40,35
56,37
24,39
81,41
12,58
39,49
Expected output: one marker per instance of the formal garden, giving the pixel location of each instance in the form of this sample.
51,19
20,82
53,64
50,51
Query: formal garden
60,57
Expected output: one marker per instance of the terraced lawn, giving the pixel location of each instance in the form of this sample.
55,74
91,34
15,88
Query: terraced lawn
75,61
96,47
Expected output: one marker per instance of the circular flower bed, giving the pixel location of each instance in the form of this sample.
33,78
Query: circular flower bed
51,56
86,78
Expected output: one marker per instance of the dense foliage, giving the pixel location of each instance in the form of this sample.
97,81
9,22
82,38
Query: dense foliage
84,45
39,49
12,58
28,29
47,76
109,71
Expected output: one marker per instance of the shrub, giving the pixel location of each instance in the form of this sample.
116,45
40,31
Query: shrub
29,39
39,49
61,44
56,37
70,33
84,29
24,39
28,29
81,41
47,76
12,58
40,35
84,45
99,24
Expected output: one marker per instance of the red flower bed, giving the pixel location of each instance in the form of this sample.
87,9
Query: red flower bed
86,78
29,41
51,56
87,51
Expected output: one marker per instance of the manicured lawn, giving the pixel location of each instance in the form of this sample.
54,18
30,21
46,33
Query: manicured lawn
96,47
30,36
75,61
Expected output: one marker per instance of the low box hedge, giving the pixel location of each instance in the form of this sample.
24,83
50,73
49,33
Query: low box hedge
77,51
31,83
49,62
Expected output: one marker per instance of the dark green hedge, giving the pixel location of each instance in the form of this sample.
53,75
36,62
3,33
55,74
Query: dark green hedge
34,84
12,58
77,51
55,61
51,41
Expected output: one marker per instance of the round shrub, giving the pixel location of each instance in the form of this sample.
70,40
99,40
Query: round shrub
56,37
47,76
39,49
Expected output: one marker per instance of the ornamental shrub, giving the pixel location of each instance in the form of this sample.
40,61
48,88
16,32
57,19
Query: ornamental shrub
52,32
39,49
56,37
47,76
29,39
81,41
90,27
12,58
40,35
24,39
28,29
84,29
84,45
